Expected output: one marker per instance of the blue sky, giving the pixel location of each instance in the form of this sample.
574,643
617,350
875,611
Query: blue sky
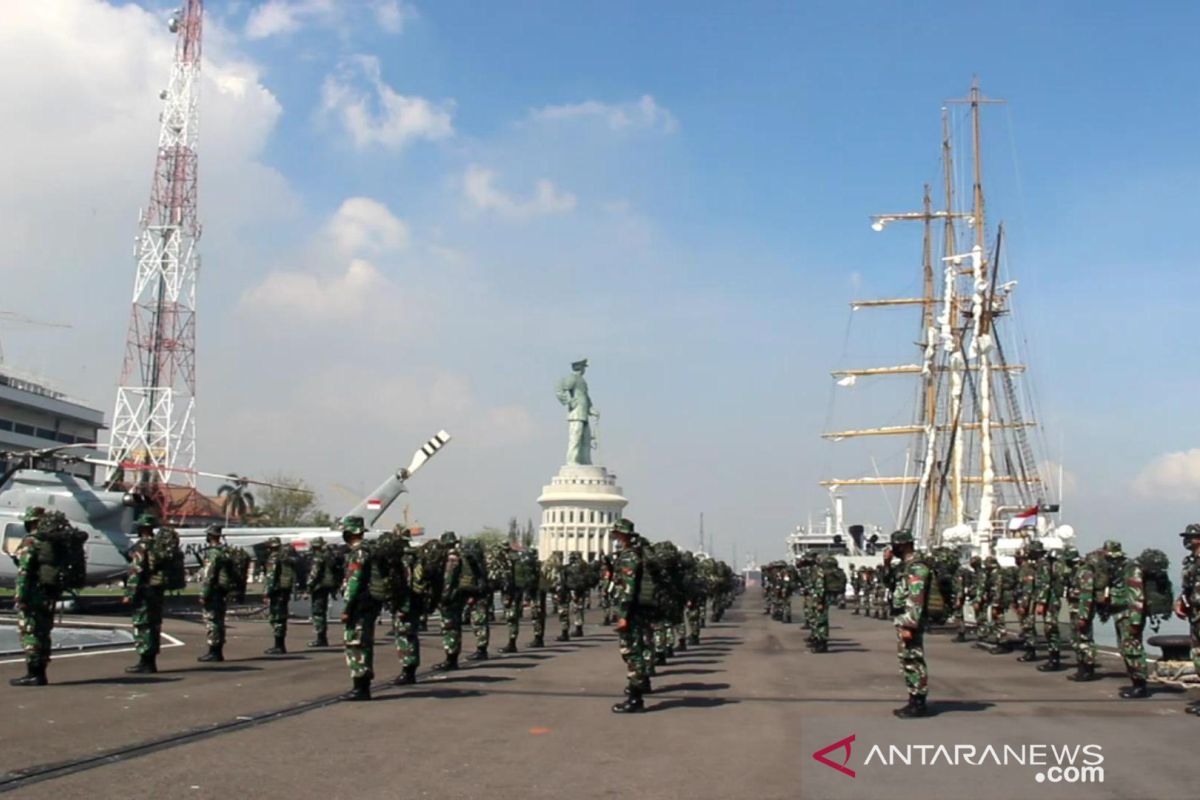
679,191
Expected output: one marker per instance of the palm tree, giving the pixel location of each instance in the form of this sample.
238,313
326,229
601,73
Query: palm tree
237,502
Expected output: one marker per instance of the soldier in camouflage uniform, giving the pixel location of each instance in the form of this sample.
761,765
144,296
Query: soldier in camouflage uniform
1023,600
322,582
537,601
819,580
866,581
1068,567
277,592
605,567
966,587
214,590
479,609
561,596
1187,606
576,573
1085,589
1127,601
629,569
885,581
34,604
361,610
1048,592
511,597
145,598
911,588
452,604
406,615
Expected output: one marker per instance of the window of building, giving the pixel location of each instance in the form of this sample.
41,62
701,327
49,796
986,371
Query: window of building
28,430
46,433
6,425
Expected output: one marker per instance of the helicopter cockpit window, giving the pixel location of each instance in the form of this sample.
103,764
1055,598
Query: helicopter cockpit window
14,532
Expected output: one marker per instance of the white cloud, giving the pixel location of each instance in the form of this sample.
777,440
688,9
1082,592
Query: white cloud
644,113
376,113
392,14
480,190
314,297
280,17
363,225
1171,476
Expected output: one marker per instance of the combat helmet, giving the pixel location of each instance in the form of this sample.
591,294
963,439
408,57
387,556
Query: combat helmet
145,521
213,530
903,536
353,524
318,543
1192,531
1112,549
274,543
1034,548
1070,553
449,538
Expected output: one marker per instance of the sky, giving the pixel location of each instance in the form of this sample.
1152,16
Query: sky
417,215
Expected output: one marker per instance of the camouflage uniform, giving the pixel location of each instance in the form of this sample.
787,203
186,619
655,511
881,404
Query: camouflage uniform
452,603
321,577
360,613
1187,606
1023,599
34,605
966,591
867,590
146,601
278,594
605,568
512,599
818,596
1068,569
911,588
214,597
406,617
631,625
1127,599
1086,575
1048,592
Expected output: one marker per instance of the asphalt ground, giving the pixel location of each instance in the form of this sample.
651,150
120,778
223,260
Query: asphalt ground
739,716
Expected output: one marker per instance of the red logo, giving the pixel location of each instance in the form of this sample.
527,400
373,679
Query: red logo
844,744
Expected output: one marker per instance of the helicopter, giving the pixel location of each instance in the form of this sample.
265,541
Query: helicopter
39,478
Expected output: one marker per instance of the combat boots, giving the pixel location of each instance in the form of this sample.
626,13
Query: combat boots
279,649
511,647
1137,691
1053,664
538,641
914,708
451,663
407,676
34,676
361,690
1000,648
660,659
1030,654
578,632
1191,708
960,637
1084,673
820,647
321,641
644,686
213,654
694,639
480,654
633,702
144,666
682,646
563,637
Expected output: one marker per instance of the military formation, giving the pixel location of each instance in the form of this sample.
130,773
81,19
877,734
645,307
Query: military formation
918,590
658,597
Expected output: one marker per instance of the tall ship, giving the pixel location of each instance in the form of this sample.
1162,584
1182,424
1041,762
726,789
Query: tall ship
976,475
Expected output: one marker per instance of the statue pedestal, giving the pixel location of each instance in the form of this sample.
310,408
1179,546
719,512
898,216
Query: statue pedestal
579,508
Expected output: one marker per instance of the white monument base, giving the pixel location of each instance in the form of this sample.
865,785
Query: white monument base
579,508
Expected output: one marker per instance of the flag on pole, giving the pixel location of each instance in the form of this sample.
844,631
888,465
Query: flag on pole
1026,519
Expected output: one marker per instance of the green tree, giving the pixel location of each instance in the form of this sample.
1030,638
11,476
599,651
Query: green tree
514,531
490,536
527,535
236,501
290,502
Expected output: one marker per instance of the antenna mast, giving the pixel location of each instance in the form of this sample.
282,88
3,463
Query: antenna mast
154,424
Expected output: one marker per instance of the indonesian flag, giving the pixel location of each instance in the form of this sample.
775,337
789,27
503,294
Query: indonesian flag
1026,519
374,504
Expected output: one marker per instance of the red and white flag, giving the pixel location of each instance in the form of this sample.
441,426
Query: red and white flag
374,505
1026,519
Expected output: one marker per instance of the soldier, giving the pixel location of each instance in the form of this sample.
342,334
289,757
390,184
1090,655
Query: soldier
911,587
479,607
885,579
966,587
867,582
1087,575
997,599
1068,570
406,614
1127,601
605,568
1048,592
512,594
452,603
215,585
145,597
1023,601
1187,606
561,596
820,580
323,581
629,572
278,582
361,610
34,601
577,584
537,600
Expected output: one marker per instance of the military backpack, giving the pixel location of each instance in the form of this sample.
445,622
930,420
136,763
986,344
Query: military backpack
472,580
1156,582
61,555
166,561
236,574
525,572
387,582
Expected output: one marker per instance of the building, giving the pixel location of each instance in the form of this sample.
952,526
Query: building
579,508
34,416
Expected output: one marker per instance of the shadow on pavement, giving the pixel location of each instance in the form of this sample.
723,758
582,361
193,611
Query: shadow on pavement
214,668
691,687
472,679
490,665
690,702
669,672
439,694
131,680
948,706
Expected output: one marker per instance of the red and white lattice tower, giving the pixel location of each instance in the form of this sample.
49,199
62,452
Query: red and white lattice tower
154,423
